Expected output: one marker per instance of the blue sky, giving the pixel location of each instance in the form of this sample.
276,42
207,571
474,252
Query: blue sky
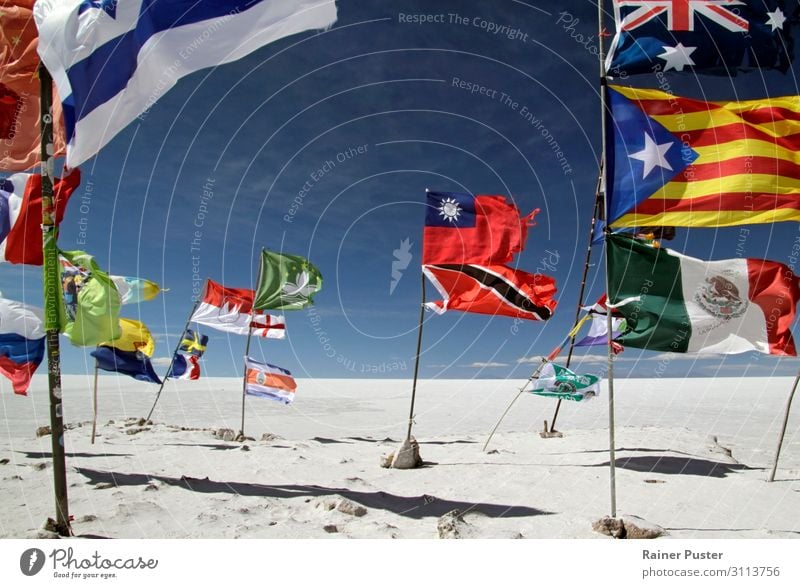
323,145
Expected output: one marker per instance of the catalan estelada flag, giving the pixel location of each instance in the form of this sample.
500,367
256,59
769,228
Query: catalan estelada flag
676,161
268,381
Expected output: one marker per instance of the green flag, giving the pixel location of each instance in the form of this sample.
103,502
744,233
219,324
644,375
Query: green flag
559,382
90,313
288,282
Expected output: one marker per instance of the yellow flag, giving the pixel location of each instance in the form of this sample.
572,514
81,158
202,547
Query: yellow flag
135,337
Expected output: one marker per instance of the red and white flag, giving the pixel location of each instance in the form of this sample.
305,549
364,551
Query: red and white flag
231,310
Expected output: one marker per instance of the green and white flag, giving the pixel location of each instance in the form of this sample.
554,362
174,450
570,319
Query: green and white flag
558,382
672,302
288,282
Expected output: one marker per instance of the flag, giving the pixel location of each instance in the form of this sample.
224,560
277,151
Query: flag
21,214
90,313
228,309
598,329
134,290
131,363
672,302
559,382
681,162
135,336
21,342
111,61
184,368
461,228
194,343
268,381
20,142
495,290
288,282
699,36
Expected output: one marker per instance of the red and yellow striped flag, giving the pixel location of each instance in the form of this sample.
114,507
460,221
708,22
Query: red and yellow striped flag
683,162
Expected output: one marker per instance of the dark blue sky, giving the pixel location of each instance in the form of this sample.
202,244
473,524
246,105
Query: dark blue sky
323,145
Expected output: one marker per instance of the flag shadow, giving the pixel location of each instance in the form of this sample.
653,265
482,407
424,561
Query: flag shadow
668,464
415,507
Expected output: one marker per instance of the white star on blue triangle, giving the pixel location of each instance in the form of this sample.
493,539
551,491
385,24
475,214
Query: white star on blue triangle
643,156
107,6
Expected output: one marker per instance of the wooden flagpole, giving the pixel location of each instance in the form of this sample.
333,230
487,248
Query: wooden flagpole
416,357
783,428
603,189
52,299
597,200
94,402
545,360
532,377
172,359
247,346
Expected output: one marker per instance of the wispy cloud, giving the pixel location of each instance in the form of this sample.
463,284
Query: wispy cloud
485,364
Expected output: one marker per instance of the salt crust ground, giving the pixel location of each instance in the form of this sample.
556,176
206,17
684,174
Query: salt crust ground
693,456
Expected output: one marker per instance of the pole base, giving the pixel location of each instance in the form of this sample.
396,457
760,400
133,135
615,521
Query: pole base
548,433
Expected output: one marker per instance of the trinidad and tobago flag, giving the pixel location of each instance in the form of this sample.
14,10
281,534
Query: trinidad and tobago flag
493,289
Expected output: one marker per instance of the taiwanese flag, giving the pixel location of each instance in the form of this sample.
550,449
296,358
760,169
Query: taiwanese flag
21,214
494,290
461,228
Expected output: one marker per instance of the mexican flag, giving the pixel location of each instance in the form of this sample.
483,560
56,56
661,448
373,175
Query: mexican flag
673,302
559,382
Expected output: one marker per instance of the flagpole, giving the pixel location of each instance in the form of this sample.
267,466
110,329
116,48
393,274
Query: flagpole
172,360
247,345
416,358
94,402
52,298
783,428
545,360
583,282
603,189
532,377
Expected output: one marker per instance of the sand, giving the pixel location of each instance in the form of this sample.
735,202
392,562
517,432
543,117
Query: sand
693,456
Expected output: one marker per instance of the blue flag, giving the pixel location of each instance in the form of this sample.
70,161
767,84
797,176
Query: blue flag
131,363
111,61
699,36
194,343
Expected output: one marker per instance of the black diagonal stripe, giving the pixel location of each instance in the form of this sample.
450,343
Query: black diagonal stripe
505,289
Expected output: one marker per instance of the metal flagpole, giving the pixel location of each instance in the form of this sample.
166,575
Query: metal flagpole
783,428
247,345
416,358
583,282
52,299
94,402
172,360
612,460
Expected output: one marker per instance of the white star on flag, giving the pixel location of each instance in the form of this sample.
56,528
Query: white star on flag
776,19
677,57
652,155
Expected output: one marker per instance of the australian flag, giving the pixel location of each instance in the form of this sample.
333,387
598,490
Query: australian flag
700,36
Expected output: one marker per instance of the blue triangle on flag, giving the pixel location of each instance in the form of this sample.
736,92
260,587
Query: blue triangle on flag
635,138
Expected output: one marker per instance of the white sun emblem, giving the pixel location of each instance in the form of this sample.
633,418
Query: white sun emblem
450,210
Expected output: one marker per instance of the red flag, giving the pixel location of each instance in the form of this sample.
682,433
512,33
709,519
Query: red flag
495,290
19,90
21,214
461,228
230,309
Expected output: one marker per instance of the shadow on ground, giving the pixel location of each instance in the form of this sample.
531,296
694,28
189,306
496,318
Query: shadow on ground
415,507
